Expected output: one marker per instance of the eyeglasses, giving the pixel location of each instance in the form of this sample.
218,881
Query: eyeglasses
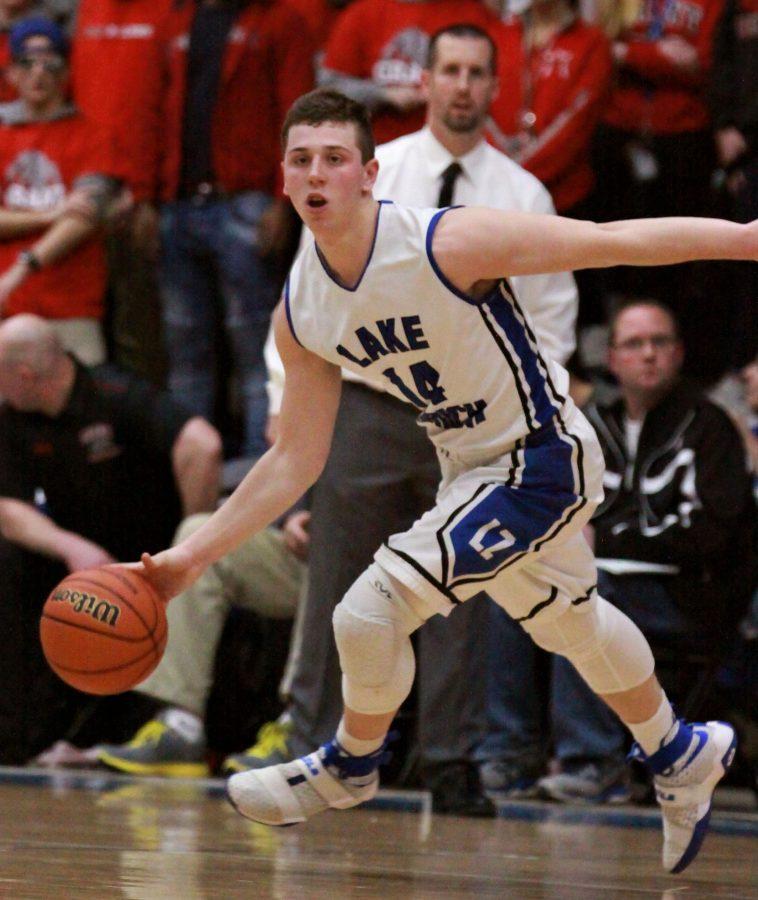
656,341
53,65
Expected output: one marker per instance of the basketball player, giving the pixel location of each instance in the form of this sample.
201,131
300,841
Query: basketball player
419,300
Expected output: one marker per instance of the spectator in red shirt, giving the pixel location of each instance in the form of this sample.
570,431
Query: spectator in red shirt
117,64
233,70
655,155
320,16
377,51
555,71
54,195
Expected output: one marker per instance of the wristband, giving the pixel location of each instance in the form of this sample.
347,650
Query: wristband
30,260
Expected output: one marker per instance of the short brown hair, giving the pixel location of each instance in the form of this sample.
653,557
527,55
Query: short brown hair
461,30
622,304
328,105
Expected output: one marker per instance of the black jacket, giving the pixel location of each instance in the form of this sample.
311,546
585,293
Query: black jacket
686,501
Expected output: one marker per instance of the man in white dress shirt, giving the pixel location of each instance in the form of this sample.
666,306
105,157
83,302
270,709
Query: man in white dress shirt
393,470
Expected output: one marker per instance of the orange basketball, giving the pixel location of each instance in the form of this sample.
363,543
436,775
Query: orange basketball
104,630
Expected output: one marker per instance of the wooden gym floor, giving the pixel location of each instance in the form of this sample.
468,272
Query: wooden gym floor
67,836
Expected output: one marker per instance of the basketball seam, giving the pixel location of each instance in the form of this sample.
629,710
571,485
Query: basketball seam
143,581
107,634
126,665
149,630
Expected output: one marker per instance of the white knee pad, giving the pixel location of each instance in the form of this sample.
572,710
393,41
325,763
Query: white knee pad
372,625
604,645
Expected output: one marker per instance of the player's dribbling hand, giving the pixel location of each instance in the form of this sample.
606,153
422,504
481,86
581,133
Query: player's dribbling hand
170,572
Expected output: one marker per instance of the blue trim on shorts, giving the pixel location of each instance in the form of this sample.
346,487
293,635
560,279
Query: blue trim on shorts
440,534
511,521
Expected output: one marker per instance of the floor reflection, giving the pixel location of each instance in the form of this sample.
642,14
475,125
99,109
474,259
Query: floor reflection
145,840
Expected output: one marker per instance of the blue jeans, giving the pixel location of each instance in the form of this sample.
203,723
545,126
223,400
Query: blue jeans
514,702
211,273
583,727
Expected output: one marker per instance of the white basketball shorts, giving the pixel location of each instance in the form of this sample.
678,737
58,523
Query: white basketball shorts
511,528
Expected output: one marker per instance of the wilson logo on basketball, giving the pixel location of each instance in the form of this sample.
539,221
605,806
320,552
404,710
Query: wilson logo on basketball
90,605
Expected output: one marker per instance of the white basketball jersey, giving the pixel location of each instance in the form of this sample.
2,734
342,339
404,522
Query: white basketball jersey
470,366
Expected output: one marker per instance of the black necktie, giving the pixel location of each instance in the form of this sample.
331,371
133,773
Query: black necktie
448,183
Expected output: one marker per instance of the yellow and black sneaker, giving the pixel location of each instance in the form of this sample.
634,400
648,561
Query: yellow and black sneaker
159,749
270,749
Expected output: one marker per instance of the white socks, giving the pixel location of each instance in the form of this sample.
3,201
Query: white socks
657,730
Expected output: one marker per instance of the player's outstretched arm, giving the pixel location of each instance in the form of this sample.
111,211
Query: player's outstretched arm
279,478
476,244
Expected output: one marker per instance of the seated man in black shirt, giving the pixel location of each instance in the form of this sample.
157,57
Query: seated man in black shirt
95,465
672,541
672,538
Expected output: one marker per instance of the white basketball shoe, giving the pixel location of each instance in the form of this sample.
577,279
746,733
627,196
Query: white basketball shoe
292,792
686,772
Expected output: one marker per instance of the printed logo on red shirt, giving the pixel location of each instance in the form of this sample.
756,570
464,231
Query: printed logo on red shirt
33,181
402,58
555,62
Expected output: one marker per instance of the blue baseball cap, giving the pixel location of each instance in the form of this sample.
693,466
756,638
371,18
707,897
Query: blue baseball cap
37,26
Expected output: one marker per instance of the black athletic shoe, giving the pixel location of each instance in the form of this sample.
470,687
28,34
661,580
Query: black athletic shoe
457,791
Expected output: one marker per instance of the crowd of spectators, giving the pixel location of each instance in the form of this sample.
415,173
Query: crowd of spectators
143,226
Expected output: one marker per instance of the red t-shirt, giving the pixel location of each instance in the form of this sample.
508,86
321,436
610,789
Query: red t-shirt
39,163
117,62
386,41
320,17
651,93
562,88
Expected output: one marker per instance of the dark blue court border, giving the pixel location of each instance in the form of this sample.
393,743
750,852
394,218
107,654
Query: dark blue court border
726,822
